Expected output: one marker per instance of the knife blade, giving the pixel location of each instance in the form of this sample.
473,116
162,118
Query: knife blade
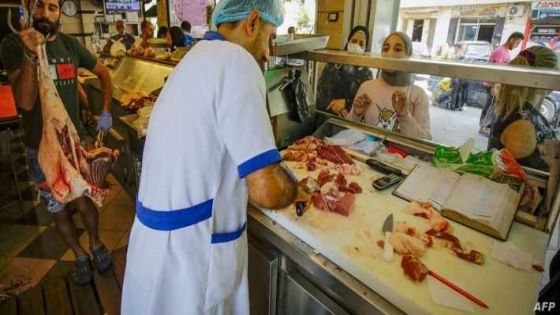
387,230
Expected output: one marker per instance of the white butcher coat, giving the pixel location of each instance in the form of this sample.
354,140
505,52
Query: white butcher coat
187,252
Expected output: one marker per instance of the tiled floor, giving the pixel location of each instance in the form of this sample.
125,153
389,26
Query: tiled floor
30,248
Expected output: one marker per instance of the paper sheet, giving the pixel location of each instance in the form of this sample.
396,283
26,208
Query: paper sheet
445,296
508,253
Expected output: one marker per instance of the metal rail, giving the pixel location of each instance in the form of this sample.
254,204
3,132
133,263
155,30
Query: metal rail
521,76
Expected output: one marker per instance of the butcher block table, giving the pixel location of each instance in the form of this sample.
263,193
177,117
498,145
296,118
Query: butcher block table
351,243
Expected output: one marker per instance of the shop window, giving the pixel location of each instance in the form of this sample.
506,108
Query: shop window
476,29
467,32
417,30
485,33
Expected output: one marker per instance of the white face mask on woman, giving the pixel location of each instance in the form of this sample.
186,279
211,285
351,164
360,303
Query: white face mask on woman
355,48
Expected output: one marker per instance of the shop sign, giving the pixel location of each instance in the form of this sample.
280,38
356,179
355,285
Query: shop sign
546,4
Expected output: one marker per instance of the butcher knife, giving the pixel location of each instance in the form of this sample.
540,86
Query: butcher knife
387,230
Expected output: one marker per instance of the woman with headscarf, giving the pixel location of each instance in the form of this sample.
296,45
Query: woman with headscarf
519,126
338,83
392,101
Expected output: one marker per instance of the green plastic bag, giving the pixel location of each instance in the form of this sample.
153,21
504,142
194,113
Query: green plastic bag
491,163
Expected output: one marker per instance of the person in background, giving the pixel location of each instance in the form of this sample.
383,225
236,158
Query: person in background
519,125
187,252
122,36
65,55
459,86
175,38
338,83
500,55
162,32
292,32
392,101
147,33
186,27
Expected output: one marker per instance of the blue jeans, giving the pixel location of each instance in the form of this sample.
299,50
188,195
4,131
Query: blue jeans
38,177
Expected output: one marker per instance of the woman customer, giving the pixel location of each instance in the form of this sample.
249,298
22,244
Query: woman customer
392,101
519,126
338,83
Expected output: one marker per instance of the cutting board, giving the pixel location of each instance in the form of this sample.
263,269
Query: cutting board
350,242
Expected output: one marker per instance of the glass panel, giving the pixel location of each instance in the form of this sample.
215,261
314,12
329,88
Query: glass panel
467,32
485,33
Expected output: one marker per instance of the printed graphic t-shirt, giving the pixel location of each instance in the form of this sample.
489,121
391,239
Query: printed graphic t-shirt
65,56
381,113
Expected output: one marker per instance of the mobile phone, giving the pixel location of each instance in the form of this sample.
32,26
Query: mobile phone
385,181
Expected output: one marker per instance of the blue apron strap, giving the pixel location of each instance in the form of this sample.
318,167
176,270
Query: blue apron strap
211,35
228,237
174,219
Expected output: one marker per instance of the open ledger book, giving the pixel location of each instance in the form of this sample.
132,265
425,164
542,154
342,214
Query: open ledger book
472,200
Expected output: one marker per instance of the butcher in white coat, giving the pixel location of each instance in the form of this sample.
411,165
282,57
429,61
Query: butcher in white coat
209,149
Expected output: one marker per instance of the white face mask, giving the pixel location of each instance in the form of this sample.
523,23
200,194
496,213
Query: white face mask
355,48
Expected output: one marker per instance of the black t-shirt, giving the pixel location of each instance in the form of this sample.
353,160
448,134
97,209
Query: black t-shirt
65,55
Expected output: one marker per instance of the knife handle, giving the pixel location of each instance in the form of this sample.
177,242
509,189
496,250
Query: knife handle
388,247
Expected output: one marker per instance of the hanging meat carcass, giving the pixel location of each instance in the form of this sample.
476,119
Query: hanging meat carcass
70,171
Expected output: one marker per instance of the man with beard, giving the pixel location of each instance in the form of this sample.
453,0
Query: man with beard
65,55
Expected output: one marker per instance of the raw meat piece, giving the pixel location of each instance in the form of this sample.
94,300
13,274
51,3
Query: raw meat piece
328,202
294,155
440,224
70,171
449,240
473,256
426,210
330,190
453,243
347,169
405,244
310,184
355,188
324,177
314,148
344,204
310,166
340,180
403,227
421,209
334,154
413,268
352,188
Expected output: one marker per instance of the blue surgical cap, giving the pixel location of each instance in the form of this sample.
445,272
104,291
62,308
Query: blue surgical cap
229,11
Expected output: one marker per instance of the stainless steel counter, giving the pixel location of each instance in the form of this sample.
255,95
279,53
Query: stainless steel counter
298,257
